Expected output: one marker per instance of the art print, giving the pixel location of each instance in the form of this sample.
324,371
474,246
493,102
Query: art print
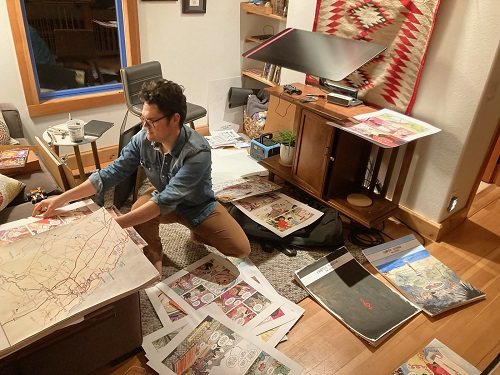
215,345
218,281
278,212
243,187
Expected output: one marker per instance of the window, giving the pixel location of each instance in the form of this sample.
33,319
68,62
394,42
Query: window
73,87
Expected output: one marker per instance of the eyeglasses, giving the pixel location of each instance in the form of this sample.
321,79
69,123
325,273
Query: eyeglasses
149,121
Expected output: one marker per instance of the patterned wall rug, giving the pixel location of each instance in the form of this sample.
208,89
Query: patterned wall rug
405,26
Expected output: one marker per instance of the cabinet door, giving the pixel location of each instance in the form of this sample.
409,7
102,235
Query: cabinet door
314,142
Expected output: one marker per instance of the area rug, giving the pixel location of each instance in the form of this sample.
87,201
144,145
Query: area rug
179,252
404,26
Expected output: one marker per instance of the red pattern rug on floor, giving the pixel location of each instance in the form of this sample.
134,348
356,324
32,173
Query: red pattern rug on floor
405,26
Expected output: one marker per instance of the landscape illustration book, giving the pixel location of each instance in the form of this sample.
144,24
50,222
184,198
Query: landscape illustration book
421,277
367,306
436,358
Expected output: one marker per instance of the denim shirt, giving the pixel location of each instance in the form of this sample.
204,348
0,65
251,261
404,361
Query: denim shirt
182,177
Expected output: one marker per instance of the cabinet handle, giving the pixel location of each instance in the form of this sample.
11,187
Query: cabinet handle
332,158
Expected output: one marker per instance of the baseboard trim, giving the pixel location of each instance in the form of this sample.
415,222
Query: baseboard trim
428,228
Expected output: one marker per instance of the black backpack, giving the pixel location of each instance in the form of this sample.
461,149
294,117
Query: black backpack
326,232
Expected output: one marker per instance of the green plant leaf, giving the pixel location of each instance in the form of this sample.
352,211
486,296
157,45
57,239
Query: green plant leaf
285,137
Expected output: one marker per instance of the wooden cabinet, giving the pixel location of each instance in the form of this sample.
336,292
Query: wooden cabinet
313,152
332,164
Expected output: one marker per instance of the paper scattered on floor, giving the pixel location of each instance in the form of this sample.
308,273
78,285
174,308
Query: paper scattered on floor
231,297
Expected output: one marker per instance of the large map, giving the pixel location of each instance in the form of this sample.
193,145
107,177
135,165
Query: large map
57,276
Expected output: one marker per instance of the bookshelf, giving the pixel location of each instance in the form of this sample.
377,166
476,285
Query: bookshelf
261,11
258,20
251,73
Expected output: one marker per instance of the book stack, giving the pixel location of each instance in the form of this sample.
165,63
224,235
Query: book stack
18,161
272,73
372,309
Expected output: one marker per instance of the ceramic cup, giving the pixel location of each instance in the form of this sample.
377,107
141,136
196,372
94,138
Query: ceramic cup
76,130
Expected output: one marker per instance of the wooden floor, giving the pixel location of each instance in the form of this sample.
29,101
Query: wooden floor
322,345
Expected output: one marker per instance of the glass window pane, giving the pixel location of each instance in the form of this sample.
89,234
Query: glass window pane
76,46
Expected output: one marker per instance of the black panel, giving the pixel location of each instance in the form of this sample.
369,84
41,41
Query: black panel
322,55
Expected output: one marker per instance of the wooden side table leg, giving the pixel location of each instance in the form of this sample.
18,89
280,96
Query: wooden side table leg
96,155
78,157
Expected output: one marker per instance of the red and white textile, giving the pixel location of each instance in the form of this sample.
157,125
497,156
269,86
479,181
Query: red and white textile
405,26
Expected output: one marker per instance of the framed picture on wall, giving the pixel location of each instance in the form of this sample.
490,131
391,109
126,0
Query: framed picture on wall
194,6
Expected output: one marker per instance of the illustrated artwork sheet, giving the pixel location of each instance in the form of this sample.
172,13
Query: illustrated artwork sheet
436,358
422,278
271,330
366,305
215,280
169,313
216,345
244,187
278,212
386,128
226,138
286,315
154,343
19,229
64,273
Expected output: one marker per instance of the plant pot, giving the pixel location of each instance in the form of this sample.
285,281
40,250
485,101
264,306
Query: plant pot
286,155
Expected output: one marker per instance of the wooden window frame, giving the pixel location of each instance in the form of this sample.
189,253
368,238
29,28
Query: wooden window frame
37,107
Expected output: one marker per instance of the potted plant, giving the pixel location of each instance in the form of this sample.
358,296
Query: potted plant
287,139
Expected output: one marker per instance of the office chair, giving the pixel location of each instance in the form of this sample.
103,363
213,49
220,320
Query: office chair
133,77
132,182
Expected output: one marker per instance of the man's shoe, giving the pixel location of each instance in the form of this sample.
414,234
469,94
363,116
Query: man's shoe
288,252
267,247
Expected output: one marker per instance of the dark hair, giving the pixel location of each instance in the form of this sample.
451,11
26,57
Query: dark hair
167,95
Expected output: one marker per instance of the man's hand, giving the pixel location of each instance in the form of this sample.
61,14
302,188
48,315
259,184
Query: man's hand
47,206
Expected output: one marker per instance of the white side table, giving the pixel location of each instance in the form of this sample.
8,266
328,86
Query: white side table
56,140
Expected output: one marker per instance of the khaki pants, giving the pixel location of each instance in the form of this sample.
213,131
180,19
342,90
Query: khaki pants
219,230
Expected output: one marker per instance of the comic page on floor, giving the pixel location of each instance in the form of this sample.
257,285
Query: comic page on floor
278,212
216,345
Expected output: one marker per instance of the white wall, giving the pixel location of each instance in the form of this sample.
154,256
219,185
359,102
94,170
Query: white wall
195,49
459,58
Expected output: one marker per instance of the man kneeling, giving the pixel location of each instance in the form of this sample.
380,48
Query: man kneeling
177,162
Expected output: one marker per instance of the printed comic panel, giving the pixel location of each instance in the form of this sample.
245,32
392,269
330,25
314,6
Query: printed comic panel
234,296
